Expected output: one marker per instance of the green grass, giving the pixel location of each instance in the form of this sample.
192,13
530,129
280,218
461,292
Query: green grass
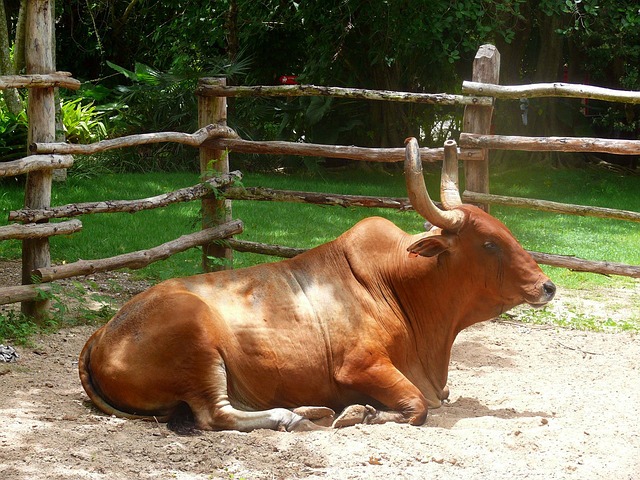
302,225
585,237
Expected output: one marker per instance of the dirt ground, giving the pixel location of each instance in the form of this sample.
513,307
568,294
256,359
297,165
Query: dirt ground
535,402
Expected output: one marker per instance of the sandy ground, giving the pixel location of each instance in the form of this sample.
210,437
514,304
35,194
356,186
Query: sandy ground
527,401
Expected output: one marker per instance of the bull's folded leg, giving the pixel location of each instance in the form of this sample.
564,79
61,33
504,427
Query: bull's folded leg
385,383
366,414
444,395
229,418
322,416
352,415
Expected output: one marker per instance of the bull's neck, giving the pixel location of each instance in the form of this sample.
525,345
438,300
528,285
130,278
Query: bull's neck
435,312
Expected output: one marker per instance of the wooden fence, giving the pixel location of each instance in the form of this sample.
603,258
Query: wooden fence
474,143
214,140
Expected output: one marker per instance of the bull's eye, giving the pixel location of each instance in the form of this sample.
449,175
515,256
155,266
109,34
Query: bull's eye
491,247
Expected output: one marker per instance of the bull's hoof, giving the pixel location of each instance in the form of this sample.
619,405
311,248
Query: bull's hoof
353,415
305,425
321,416
444,395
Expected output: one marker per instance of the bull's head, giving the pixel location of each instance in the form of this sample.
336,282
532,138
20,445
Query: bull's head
477,247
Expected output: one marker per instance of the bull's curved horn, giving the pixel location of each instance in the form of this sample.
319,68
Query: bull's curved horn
418,195
449,191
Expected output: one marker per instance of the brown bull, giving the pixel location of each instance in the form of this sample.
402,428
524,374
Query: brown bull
355,321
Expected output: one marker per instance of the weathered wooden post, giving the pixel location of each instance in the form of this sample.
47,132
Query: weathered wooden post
41,114
213,162
477,118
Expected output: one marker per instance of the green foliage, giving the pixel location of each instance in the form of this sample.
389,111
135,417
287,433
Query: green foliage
82,122
159,48
15,327
572,319
13,134
70,306
150,100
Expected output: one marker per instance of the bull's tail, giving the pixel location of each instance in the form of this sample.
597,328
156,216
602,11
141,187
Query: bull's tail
84,370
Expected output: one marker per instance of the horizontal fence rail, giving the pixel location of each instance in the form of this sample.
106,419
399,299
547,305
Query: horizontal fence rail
128,206
39,230
389,155
551,144
23,293
219,137
317,198
210,90
58,79
141,258
132,260
555,207
34,163
193,139
556,89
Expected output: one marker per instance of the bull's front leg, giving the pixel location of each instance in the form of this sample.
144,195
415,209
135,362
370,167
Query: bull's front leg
383,382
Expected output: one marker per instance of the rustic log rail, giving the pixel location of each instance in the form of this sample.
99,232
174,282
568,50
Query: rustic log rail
339,92
387,155
219,137
551,144
317,198
140,258
23,293
193,139
403,204
264,248
34,163
548,206
39,230
555,89
200,190
592,266
57,79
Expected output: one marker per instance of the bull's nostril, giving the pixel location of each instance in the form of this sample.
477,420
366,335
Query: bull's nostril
549,289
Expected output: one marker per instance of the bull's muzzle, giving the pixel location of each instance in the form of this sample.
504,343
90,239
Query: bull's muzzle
547,292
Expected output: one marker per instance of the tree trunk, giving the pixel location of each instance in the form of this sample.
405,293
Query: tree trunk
508,115
390,117
59,175
543,112
11,96
18,46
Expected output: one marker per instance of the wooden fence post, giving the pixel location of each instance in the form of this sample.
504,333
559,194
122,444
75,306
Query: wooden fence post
477,118
41,115
213,110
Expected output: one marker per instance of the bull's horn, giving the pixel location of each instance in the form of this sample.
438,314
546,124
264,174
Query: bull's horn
449,192
418,195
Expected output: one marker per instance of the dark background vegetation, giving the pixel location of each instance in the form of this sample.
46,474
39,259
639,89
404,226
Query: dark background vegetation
139,61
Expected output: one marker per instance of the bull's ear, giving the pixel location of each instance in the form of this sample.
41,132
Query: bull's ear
430,246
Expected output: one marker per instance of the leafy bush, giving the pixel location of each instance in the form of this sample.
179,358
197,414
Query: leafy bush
82,122
13,135
156,101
